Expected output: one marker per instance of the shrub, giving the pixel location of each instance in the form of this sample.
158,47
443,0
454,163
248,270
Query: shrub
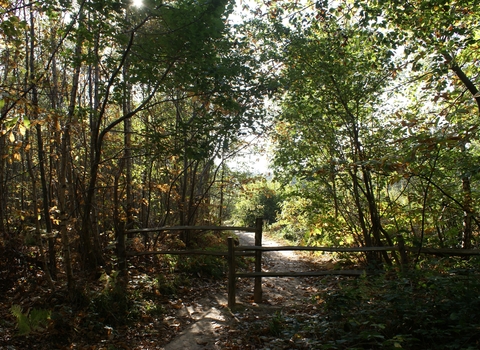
260,199
113,305
418,309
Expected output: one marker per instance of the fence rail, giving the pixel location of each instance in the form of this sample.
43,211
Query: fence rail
191,228
258,249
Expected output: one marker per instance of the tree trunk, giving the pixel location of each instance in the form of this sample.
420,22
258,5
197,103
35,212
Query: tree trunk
467,213
91,256
466,81
38,232
119,224
222,182
127,128
466,187
3,197
41,154
62,204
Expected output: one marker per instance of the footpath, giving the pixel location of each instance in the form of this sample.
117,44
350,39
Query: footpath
214,324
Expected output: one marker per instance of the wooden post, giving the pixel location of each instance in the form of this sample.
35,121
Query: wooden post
257,290
403,252
231,273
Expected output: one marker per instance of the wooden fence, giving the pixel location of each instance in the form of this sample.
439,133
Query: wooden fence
257,249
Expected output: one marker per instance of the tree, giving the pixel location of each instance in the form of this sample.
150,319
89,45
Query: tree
439,40
329,131
376,118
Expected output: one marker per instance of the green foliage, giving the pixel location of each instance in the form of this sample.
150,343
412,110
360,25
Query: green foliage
257,199
276,324
152,308
182,267
304,219
169,285
328,137
34,321
113,305
435,307
206,265
368,162
419,309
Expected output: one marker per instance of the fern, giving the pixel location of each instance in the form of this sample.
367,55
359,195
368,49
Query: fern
35,321
39,319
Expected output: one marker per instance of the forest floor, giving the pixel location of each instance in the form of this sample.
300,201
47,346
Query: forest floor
195,317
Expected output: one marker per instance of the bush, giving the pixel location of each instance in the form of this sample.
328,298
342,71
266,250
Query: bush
259,199
417,310
113,305
202,265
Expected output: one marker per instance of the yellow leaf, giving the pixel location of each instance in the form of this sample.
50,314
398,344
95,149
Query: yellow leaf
22,129
12,137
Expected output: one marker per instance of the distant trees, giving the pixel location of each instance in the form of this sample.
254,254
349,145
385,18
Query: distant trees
257,198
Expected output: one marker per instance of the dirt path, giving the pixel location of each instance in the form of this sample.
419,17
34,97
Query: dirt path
214,323
283,291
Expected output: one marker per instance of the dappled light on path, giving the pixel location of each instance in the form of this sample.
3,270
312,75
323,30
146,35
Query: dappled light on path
281,290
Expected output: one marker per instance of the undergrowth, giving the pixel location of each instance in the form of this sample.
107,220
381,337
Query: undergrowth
435,307
33,321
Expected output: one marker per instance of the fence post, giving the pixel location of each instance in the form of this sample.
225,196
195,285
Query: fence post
257,290
403,252
231,273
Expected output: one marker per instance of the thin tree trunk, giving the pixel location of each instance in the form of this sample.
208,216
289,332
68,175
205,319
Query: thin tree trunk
466,81
127,125
89,258
334,187
62,204
119,225
64,157
41,153
38,232
125,162
3,197
222,182
467,213
93,253
466,186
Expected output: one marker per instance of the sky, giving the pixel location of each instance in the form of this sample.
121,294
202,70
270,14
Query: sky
253,162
